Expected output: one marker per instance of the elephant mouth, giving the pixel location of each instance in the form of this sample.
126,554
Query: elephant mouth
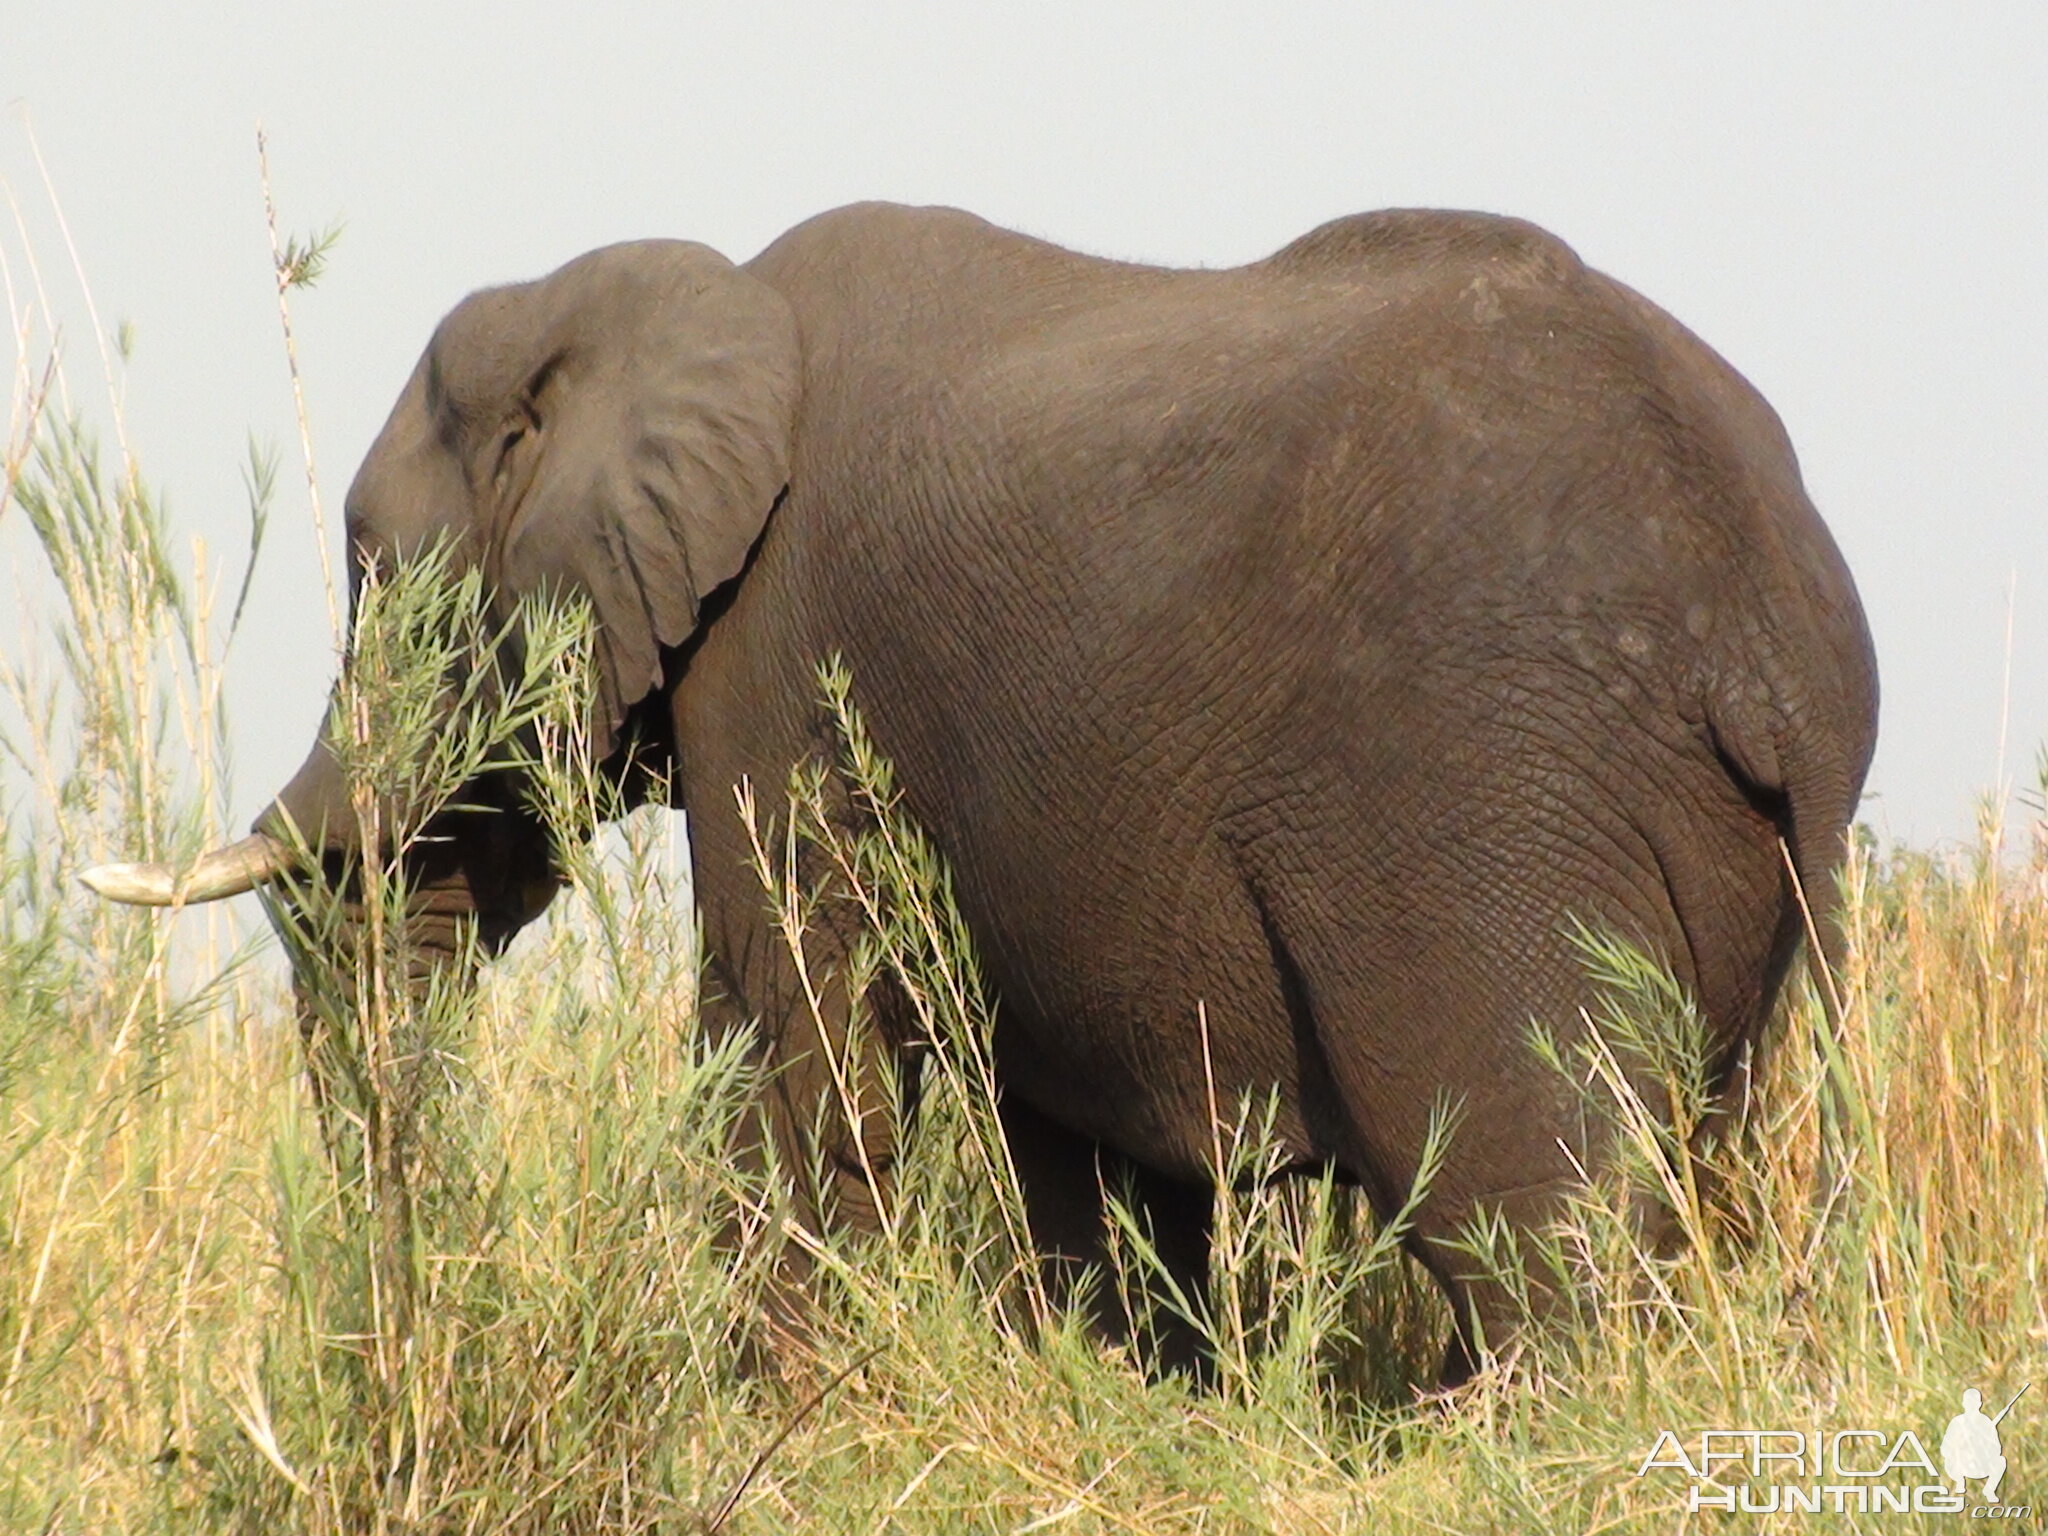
214,876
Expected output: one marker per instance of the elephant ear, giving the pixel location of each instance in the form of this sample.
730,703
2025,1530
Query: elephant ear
642,454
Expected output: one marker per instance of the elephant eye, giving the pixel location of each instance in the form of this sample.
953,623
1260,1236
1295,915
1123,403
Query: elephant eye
524,419
516,431
505,446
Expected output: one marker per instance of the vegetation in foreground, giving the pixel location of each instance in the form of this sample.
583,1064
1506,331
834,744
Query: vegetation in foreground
530,1293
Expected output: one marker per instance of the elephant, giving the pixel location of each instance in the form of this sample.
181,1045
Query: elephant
1287,659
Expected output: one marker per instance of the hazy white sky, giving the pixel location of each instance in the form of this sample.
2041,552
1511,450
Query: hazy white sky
1849,201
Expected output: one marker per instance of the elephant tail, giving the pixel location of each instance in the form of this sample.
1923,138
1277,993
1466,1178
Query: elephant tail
1814,837
1808,782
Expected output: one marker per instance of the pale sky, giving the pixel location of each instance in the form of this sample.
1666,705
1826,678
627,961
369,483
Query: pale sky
1849,201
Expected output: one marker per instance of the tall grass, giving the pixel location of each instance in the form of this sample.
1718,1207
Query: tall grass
542,1295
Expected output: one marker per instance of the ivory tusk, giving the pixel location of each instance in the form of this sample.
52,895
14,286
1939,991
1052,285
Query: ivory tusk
214,875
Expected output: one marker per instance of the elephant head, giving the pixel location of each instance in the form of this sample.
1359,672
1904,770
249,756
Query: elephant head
617,431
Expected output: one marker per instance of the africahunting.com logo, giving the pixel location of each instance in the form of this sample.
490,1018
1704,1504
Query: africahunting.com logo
1847,1471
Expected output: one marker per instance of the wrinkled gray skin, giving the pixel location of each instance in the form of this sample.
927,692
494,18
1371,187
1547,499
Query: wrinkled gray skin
1311,643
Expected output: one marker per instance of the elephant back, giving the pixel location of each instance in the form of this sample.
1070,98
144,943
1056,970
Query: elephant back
1428,239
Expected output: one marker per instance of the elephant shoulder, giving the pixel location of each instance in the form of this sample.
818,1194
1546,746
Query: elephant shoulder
876,220
879,238
1429,240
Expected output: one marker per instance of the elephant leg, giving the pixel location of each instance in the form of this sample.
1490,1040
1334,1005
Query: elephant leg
1064,1177
1490,1309
836,1108
1486,1309
826,1126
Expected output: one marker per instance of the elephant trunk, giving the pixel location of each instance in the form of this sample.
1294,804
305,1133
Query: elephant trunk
317,808
477,873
